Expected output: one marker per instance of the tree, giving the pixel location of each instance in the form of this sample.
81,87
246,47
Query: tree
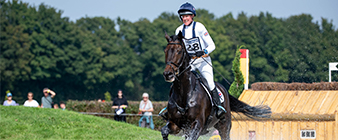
237,86
107,96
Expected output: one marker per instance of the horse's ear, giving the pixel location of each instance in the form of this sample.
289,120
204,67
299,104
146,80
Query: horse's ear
180,35
167,36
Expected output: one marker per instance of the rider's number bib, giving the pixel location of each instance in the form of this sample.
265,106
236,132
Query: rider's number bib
193,45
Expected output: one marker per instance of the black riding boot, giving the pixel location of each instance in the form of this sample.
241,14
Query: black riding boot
217,102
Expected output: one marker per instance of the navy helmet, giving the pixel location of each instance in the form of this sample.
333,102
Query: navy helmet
187,9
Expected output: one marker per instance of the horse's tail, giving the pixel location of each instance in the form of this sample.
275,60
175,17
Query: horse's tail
254,112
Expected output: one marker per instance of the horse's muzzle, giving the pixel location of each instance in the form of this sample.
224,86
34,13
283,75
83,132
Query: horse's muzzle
169,76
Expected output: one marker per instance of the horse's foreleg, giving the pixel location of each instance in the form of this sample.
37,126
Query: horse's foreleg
165,132
195,131
169,128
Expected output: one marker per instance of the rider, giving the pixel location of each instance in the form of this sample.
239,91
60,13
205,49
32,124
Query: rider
199,44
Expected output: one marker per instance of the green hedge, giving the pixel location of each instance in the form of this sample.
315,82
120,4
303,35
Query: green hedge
105,107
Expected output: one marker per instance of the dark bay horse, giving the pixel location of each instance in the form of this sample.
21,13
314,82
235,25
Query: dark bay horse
189,106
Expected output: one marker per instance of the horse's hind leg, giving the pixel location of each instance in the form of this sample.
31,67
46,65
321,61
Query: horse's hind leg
195,131
169,128
223,127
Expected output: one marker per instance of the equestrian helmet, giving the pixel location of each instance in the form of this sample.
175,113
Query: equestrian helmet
187,9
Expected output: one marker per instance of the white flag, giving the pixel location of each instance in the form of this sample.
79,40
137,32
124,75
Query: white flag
333,66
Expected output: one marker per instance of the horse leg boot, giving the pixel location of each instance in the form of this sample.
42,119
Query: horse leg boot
216,100
165,132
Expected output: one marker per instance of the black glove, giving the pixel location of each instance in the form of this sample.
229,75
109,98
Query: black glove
199,53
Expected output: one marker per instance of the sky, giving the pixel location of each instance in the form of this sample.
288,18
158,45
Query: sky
133,10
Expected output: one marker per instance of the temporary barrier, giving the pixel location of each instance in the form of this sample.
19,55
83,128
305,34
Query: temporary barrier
296,115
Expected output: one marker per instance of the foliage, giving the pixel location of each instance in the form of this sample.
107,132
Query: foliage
107,96
6,94
237,85
294,86
41,48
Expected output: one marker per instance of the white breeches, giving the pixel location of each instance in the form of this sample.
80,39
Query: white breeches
205,69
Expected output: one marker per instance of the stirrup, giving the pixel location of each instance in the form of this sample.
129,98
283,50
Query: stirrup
163,115
162,111
221,107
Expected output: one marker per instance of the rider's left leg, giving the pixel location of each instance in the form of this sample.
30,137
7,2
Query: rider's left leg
216,99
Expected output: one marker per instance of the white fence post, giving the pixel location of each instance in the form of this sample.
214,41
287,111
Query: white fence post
332,67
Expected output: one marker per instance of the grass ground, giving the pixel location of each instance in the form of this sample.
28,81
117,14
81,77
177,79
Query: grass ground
18,122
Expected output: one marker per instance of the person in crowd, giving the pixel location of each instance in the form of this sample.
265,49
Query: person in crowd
31,102
146,107
9,101
196,35
120,104
46,100
62,105
56,106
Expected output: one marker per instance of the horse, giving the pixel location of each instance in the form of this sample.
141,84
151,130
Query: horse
189,108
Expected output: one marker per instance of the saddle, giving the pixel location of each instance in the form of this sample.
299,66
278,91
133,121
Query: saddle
205,84
202,80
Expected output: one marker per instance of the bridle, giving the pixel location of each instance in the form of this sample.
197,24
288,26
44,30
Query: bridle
177,72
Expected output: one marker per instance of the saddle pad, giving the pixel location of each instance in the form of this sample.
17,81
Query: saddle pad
220,94
204,82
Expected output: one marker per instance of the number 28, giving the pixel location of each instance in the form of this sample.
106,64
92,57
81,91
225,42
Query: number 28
193,47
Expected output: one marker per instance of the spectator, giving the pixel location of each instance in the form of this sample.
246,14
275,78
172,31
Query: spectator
146,107
119,105
46,100
56,106
9,101
31,102
62,105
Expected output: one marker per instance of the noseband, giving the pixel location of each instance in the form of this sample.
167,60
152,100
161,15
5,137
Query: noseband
170,63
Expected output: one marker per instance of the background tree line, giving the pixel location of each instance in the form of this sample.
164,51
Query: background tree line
84,59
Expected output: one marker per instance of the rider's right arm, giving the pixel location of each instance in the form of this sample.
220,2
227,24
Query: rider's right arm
206,38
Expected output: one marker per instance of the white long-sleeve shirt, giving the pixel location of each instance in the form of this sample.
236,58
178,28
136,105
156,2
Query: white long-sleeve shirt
32,103
200,32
